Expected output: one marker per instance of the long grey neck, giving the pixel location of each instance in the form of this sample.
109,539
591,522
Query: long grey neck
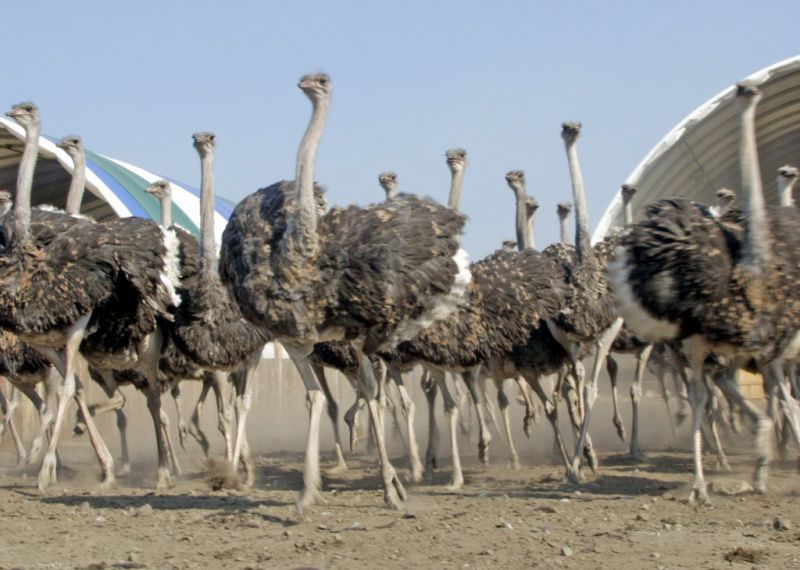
521,224
77,184
529,232
563,221
786,191
302,223
456,181
391,191
628,211
27,165
583,248
166,210
208,249
757,250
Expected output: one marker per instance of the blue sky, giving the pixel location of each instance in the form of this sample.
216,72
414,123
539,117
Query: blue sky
411,79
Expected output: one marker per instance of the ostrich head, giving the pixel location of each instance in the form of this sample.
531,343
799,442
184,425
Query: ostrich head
564,208
26,114
5,202
388,181
788,173
516,181
628,192
748,93
509,245
71,144
204,142
316,86
725,196
160,189
570,132
531,205
456,159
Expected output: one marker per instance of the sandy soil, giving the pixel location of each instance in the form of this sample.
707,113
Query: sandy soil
628,515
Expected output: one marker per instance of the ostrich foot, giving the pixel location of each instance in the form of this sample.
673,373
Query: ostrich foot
79,429
183,435
394,493
483,452
513,462
340,467
109,479
164,479
416,472
636,454
124,470
699,496
354,436
723,465
620,429
308,496
574,473
456,482
47,474
430,467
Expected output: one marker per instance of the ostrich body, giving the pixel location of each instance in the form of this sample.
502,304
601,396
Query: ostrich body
746,303
66,295
375,276
588,316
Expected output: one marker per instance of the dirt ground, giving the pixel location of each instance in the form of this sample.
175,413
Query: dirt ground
627,515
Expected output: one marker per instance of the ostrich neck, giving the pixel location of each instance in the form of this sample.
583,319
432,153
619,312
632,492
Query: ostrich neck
521,222
208,249
583,249
391,192
628,212
564,223
529,232
456,181
77,184
166,210
786,191
756,244
302,221
27,165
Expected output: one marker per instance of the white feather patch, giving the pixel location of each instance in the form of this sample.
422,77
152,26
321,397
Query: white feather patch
442,305
51,208
171,272
637,318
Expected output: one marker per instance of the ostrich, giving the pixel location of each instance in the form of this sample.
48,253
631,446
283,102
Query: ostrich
509,245
588,315
563,209
375,275
746,303
72,292
388,181
787,178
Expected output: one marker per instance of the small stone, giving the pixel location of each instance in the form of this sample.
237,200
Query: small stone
356,526
133,557
322,527
566,551
337,538
546,509
100,520
565,500
645,507
730,488
145,509
655,556
287,533
504,524
409,515
642,517
781,524
85,506
487,552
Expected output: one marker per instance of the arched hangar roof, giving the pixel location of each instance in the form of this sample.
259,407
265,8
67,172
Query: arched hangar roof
114,188
700,155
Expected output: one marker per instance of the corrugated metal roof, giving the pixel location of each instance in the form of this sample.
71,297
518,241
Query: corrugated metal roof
701,154
114,188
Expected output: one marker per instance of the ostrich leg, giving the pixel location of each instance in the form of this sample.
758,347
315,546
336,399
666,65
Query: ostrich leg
762,427
183,431
636,395
218,381
660,372
333,414
415,464
46,418
244,399
612,369
530,407
8,408
551,411
430,388
503,403
451,410
194,426
66,391
393,491
603,345
116,404
696,351
312,481
352,414
485,435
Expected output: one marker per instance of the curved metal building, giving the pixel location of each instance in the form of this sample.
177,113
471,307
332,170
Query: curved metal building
114,188
701,154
